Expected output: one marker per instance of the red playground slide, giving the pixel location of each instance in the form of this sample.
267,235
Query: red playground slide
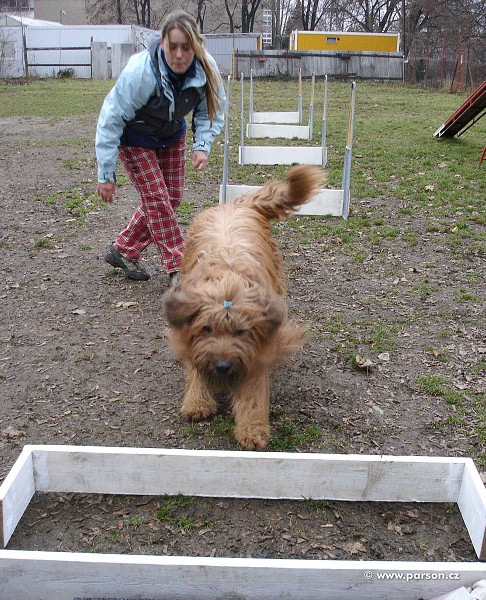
466,115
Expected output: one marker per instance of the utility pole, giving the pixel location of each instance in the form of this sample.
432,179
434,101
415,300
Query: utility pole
403,38
403,28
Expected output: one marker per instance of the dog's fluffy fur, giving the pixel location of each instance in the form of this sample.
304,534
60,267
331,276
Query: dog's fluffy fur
228,312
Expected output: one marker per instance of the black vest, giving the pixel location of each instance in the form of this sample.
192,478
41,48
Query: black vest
153,118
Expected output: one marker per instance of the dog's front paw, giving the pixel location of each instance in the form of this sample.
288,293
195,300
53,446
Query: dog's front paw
253,438
198,411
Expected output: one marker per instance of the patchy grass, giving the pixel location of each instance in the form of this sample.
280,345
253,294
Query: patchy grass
44,242
467,411
53,97
288,436
76,201
170,512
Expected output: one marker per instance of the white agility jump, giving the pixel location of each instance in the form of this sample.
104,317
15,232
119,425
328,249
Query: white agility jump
276,117
280,130
286,155
333,202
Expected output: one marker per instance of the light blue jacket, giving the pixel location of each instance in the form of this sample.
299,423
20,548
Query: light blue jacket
134,87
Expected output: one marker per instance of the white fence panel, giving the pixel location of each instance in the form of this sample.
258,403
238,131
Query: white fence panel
11,55
222,46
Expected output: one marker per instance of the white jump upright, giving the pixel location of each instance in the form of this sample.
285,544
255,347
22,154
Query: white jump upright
276,117
333,202
277,129
348,152
224,185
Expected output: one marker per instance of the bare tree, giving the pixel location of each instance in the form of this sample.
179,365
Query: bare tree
142,10
136,12
281,13
201,6
101,12
445,24
372,16
249,10
230,7
312,12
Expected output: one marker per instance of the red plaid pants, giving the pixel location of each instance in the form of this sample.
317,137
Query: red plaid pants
158,176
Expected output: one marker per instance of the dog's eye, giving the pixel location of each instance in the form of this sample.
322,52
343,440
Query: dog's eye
207,329
239,332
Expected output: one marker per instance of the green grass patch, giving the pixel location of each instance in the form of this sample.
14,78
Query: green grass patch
218,426
434,385
357,337
53,98
171,512
288,436
77,202
185,212
468,412
44,242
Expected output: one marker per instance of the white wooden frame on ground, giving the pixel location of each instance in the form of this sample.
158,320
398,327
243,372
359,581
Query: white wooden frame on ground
280,130
276,117
33,575
333,202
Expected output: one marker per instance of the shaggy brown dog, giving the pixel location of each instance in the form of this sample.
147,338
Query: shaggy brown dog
228,312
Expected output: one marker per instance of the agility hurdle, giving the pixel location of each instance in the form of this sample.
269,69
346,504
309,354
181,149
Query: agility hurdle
287,155
271,130
31,575
276,117
333,202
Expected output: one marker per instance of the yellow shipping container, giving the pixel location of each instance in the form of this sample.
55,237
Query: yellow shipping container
344,40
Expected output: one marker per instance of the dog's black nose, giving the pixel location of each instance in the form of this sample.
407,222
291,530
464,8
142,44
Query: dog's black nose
222,366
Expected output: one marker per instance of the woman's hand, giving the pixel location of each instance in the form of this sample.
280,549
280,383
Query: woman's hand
106,191
199,160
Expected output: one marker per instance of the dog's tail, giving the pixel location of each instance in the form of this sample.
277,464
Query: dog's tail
280,199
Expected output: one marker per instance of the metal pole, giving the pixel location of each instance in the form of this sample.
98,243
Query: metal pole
311,107
250,116
299,102
242,132
403,39
324,125
348,153
226,143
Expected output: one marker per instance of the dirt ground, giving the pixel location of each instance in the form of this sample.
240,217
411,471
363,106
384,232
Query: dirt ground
84,360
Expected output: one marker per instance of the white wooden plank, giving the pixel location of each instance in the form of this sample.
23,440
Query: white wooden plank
263,130
16,492
280,155
275,117
246,474
326,202
58,576
235,191
33,575
472,504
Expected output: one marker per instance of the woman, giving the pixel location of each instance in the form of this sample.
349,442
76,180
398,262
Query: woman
142,120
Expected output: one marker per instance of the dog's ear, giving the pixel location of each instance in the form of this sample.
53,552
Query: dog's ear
275,311
180,309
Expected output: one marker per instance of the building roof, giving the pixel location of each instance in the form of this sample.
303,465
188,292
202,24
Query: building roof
27,22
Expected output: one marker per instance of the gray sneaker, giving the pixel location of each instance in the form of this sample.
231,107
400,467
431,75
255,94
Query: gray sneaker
174,278
132,269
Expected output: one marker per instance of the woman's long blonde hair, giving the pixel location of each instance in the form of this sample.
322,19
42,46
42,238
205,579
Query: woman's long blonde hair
179,19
